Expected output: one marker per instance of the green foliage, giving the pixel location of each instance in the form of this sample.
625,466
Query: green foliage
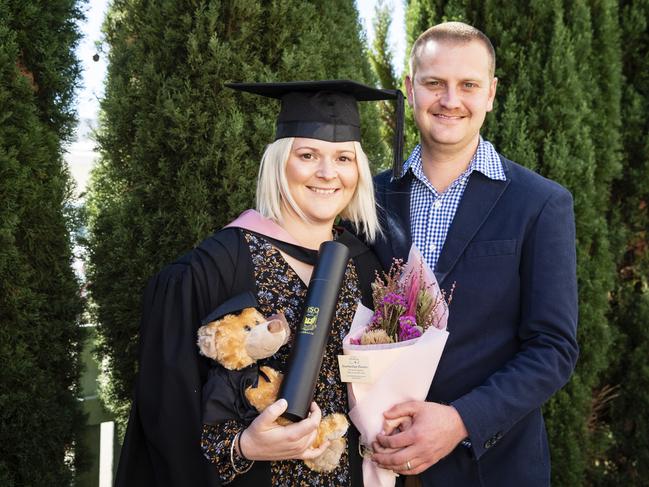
558,112
179,152
627,460
380,57
39,294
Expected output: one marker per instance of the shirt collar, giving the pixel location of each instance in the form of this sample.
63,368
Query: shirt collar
485,160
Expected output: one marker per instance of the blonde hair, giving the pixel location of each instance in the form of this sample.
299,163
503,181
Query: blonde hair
453,32
273,191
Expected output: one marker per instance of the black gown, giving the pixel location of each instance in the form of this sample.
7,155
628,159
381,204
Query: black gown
163,439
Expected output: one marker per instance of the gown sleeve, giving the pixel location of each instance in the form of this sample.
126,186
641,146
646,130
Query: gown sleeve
216,443
162,445
226,412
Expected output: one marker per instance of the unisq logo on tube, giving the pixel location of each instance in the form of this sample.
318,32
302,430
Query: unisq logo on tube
310,320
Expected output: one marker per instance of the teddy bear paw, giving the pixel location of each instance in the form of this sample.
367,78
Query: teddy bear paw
333,426
330,458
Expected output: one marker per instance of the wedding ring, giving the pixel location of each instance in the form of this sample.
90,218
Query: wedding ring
408,466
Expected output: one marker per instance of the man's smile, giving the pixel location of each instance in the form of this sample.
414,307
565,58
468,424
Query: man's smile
443,116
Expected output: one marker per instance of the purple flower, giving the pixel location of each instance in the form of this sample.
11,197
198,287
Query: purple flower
377,317
407,321
394,299
408,328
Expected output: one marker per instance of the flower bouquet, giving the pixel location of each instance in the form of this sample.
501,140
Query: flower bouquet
391,354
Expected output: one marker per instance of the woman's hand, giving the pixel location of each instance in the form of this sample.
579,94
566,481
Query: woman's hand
265,439
396,425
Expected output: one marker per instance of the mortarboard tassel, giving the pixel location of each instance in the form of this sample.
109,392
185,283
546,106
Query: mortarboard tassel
397,165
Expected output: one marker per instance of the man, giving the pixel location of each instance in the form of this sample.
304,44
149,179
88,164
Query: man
505,237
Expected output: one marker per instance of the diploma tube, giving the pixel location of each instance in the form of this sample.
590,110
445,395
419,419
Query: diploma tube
311,338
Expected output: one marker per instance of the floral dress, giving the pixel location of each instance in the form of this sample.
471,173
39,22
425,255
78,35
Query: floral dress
280,289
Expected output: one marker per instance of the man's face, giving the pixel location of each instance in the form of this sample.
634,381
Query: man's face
451,93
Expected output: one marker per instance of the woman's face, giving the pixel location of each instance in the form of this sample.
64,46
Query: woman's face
322,177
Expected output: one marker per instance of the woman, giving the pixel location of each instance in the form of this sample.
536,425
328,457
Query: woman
314,172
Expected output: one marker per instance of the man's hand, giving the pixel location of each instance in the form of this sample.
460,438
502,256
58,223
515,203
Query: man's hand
435,431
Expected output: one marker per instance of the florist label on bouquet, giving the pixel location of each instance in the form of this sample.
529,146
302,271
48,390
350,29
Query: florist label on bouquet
354,368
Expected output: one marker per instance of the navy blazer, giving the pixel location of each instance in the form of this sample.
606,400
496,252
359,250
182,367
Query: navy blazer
512,343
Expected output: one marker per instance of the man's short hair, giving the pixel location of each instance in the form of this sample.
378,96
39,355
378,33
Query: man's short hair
273,191
452,32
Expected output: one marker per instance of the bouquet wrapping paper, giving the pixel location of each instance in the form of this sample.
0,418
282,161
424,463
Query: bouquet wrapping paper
399,372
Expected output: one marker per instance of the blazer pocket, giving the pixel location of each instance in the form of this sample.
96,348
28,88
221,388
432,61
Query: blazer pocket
491,247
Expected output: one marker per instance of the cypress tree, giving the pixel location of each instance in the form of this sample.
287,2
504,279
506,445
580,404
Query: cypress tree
419,16
179,153
627,461
559,89
380,57
39,294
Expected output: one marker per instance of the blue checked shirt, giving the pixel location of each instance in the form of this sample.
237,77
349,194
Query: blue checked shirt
431,213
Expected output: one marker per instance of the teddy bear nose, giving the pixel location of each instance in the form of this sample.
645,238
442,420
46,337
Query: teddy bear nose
275,326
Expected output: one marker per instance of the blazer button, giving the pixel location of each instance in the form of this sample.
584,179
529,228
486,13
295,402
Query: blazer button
493,440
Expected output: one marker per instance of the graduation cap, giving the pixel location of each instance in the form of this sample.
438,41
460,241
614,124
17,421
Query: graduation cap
233,305
326,110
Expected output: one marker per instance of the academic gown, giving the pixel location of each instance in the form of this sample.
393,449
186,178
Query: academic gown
162,442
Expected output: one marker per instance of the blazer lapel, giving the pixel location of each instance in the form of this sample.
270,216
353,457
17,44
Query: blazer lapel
480,197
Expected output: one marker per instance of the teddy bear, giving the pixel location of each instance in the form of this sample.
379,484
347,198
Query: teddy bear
239,340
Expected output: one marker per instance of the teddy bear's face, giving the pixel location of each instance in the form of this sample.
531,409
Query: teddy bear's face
236,341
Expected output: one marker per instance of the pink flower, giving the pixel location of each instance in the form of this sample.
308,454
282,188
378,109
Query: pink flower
413,290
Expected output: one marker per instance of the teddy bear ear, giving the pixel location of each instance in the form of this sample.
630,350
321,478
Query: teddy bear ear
206,337
232,306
